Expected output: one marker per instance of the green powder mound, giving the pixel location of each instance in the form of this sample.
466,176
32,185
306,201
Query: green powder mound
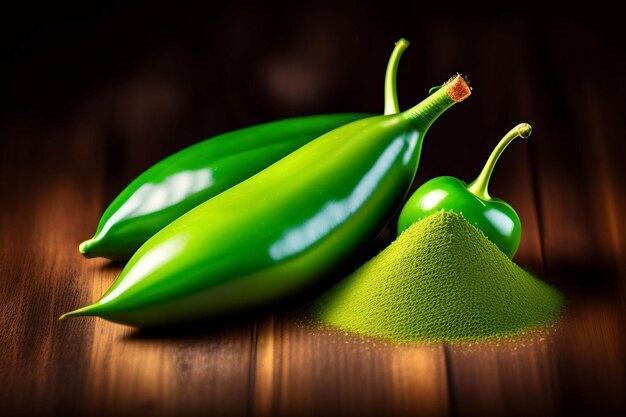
440,280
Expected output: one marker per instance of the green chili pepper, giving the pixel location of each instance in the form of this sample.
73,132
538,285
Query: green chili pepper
497,219
180,182
281,229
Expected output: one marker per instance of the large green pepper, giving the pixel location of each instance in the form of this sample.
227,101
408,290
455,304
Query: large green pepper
193,175
279,230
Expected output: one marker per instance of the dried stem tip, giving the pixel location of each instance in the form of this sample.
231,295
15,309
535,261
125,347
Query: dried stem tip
458,88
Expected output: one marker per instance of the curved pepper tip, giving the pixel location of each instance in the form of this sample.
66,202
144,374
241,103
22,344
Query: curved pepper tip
84,247
83,311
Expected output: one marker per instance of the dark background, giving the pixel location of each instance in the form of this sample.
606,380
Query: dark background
163,77
90,96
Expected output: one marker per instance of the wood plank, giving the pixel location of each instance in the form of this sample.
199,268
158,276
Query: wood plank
582,225
309,370
45,361
169,372
595,147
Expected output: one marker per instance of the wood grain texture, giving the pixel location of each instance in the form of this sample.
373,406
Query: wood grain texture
352,375
61,165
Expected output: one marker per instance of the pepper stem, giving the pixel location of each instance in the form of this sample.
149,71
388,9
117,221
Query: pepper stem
391,94
479,187
426,112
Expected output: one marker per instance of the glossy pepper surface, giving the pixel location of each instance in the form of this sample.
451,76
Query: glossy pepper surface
494,217
279,230
195,174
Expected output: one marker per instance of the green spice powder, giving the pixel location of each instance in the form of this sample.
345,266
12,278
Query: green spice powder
442,279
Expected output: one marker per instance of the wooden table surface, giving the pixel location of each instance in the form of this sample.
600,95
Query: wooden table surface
63,164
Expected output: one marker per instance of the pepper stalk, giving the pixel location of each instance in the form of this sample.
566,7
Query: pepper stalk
479,186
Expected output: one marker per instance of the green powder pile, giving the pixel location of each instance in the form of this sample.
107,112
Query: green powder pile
442,279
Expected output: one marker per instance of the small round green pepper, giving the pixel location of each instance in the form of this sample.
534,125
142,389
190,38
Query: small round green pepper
494,217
